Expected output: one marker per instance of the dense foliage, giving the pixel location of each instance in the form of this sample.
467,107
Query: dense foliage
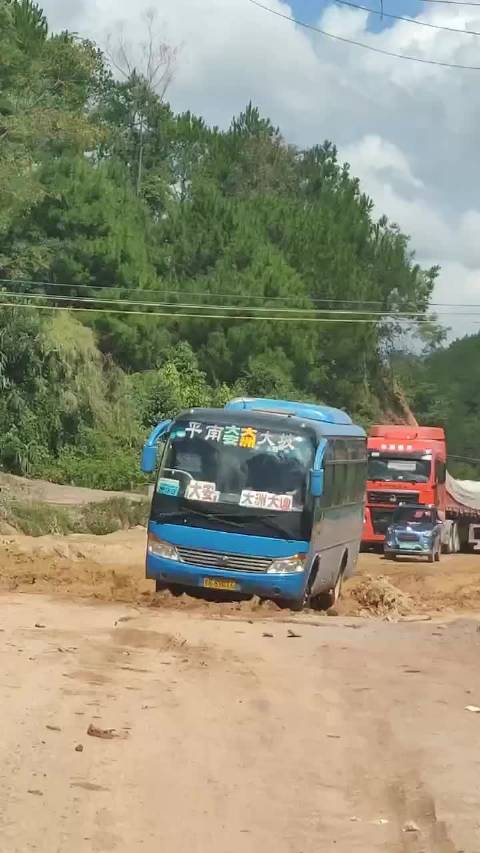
112,203
444,390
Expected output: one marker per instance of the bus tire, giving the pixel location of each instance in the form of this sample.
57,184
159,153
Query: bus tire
175,589
327,600
299,604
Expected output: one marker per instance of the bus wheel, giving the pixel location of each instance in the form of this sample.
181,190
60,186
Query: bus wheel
303,602
175,589
326,600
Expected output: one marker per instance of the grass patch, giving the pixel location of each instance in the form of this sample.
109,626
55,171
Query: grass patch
34,518
113,514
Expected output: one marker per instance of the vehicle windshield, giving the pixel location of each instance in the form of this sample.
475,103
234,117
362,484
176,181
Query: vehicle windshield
234,472
385,468
414,515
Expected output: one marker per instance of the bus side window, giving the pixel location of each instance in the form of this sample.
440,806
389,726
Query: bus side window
329,470
345,468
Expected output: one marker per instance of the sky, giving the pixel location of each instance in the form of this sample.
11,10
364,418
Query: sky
409,130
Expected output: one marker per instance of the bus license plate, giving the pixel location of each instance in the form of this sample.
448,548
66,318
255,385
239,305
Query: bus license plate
213,583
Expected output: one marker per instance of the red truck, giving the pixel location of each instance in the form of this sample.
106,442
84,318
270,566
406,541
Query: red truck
409,465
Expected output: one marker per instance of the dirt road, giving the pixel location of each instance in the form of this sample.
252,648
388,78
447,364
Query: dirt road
111,568
230,740
231,735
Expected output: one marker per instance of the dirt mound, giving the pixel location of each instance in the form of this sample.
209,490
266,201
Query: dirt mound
107,567
112,568
377,596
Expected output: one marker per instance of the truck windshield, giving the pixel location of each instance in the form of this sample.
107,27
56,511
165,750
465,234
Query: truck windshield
398,469
235,472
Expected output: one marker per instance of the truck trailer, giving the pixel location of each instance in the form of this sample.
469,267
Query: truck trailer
409,465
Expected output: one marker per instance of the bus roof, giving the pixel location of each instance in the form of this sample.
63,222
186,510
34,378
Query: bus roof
309,411
294,416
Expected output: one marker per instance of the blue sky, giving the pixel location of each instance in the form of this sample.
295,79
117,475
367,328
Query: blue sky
309,10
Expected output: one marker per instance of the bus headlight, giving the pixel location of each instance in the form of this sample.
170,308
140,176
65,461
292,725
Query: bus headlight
287,565
159,548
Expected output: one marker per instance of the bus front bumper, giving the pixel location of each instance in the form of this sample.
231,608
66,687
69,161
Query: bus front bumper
266,585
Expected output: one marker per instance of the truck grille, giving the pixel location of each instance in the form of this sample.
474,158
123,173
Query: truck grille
381,519
407,537
392,498
219,560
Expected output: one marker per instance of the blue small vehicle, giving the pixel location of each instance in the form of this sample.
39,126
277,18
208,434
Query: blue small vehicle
415,531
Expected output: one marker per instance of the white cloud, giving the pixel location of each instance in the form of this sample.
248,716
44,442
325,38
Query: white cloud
409,130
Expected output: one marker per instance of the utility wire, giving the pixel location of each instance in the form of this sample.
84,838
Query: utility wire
222,294
198,293
171,314
370,47
88,300
451,2
384,14
464,458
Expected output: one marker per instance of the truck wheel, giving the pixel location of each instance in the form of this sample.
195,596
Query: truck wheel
456,539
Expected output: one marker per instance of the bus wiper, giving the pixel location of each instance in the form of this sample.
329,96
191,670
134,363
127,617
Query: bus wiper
268,520
183,515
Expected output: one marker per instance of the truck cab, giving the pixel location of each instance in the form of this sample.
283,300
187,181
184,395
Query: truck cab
406,465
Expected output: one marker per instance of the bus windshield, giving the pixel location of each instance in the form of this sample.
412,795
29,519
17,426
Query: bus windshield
241,470
410,469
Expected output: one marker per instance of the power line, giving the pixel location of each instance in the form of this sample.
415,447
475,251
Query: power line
464,458
88,300
221,294
451,2
384,14
362,44
337,320
200,294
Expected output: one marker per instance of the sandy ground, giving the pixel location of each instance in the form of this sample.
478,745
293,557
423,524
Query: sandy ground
50,493
111,568
230,734
340,739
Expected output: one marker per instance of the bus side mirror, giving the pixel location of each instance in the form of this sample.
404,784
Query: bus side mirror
148,462
316,483
149,459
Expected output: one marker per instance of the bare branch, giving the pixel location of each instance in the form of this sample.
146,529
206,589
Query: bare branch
153,60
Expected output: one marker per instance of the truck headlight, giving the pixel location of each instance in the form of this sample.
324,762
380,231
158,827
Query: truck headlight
159,548
287,565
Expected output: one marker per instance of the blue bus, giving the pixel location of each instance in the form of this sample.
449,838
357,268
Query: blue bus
263,497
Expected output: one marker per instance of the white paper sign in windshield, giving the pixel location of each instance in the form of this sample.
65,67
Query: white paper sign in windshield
200,490
266,500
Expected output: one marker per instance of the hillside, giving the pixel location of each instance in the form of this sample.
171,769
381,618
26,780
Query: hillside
194,263
443,388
